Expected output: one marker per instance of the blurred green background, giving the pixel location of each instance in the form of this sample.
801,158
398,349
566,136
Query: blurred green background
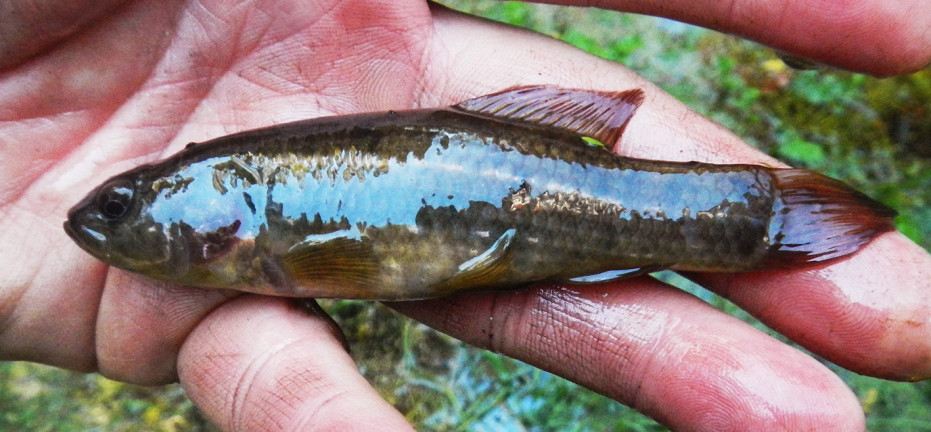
874,134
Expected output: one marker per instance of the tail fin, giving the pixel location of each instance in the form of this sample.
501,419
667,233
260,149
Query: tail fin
817,218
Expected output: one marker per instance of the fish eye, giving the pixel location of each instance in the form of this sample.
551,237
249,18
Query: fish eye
115,199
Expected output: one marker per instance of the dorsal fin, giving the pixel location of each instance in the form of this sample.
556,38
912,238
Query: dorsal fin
598,114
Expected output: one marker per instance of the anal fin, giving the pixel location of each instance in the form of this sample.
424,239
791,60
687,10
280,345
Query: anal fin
613,275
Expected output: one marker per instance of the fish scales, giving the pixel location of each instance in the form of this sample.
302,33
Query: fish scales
418,204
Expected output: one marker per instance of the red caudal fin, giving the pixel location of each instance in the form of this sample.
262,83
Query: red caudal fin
817,218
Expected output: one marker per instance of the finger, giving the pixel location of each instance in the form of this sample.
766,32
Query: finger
260,363
870,313
659,350
46,317
30,26
142,324
873,36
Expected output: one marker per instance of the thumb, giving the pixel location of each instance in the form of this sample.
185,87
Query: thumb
264,364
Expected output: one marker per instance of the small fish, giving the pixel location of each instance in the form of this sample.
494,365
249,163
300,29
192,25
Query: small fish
497,191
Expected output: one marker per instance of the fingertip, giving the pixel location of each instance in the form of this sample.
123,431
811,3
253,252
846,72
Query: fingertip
886,287
749,385
871,36
869,313
875,37
142,323
259,363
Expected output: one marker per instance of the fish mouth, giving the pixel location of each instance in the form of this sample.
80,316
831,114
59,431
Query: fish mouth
70,230
88,239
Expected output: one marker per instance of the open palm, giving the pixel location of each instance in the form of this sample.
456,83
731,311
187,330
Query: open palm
87,91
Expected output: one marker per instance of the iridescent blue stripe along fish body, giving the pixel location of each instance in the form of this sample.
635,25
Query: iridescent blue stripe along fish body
497,191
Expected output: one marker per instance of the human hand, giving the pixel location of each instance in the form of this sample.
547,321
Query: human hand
146,79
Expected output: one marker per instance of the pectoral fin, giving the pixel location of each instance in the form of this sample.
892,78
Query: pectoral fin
599,115
485,268
332,266
613,275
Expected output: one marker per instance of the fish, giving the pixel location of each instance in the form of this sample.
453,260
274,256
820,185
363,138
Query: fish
495,192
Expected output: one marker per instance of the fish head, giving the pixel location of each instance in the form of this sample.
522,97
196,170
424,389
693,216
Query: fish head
112,224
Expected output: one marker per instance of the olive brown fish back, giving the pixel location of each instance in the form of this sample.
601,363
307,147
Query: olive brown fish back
817,218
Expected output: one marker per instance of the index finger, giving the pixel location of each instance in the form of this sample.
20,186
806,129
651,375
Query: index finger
873,36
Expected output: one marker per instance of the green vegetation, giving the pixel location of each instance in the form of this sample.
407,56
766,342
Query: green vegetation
41,398
873,134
